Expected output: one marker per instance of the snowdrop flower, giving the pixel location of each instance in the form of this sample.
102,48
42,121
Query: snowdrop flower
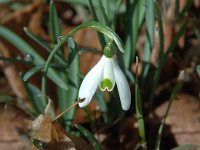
105,74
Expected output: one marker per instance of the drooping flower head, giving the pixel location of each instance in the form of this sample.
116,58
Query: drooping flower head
105,74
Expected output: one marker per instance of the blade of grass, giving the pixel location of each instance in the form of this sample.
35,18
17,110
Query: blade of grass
24,47
138,107
172,97
96,145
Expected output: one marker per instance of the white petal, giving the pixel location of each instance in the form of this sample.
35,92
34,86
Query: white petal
122,86
107,80
90,83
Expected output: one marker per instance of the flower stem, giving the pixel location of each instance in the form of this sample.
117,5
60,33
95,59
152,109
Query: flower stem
67,109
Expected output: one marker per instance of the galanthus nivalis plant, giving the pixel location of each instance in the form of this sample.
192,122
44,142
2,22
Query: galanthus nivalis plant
105,74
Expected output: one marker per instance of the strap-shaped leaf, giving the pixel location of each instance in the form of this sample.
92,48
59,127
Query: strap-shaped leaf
73,78
135,15
90,137
44,45
24,47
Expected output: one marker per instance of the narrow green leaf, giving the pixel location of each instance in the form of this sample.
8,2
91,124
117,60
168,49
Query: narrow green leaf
147,51
102,11
150,21
24,47
37,40
149,40
146,60
54,28
32,72
38,68
135,16
96,145
44,45
175,39
112,11
35,96
94,12
160,29
74,79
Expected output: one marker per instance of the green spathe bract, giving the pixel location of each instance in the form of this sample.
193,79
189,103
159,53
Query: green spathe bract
109,50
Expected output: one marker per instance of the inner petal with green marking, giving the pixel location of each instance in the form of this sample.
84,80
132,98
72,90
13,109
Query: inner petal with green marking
106,84
108,78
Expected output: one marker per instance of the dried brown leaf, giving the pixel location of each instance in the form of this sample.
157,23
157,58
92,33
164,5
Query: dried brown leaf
183,119
53,135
